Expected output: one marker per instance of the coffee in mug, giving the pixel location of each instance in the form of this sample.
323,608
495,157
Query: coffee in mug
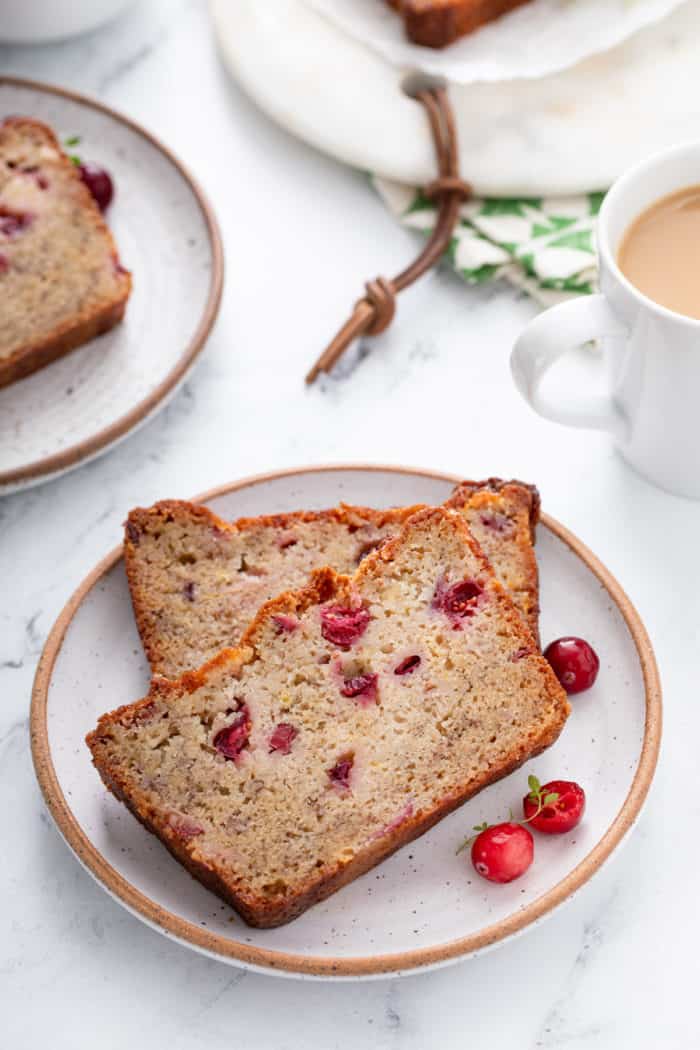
660,252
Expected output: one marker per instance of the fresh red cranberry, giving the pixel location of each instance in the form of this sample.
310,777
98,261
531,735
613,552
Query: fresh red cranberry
188,590
340,773
497,522
361,686
558,815
4,263
408,665
341,626
13,223
231,740
458,601
99,182
574,663
285,624
503,852
282,738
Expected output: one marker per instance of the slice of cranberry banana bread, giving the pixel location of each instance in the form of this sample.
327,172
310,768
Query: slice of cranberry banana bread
61,282
197,581
354,715
437,23
503,516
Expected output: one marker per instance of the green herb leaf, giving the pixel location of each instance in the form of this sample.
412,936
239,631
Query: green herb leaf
533,784
74,140
75,159
550,799
478,828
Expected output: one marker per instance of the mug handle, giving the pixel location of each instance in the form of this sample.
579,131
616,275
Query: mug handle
547,338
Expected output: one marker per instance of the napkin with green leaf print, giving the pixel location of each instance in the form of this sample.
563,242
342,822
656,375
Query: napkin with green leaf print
546,246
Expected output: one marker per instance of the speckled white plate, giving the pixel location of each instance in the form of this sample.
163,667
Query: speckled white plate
82,404
424,906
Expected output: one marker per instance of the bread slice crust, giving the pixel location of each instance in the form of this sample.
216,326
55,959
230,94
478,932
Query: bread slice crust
33,167
547,714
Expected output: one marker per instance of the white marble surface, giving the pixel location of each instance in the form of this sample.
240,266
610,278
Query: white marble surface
617,967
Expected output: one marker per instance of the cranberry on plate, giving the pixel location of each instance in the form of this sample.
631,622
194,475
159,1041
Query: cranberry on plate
503,852
574,662
99,182
560,814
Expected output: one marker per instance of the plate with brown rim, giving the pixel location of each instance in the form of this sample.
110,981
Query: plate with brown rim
81,405
424,906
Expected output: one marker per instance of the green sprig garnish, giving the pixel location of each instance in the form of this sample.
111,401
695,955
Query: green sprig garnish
74,140
478,828
536,795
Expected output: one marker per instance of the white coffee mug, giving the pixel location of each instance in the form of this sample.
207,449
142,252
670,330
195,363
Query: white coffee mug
652,354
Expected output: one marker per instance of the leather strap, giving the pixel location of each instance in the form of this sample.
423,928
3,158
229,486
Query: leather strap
375,311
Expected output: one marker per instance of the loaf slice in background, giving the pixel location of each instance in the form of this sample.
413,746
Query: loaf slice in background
196,581
354,715
437,23
61,282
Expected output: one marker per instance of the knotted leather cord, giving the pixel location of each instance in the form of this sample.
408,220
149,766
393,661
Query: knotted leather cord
375,311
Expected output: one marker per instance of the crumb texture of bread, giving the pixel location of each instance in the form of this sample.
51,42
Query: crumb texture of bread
197,581
354,715
61,281
437,23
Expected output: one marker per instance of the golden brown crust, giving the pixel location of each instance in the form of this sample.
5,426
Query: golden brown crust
438,23
325,584
88,323
344,513
521,493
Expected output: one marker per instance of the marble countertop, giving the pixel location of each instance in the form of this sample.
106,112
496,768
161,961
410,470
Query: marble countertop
616,967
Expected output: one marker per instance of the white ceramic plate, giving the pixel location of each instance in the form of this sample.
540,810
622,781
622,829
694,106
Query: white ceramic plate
569,132
82,404
424,906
